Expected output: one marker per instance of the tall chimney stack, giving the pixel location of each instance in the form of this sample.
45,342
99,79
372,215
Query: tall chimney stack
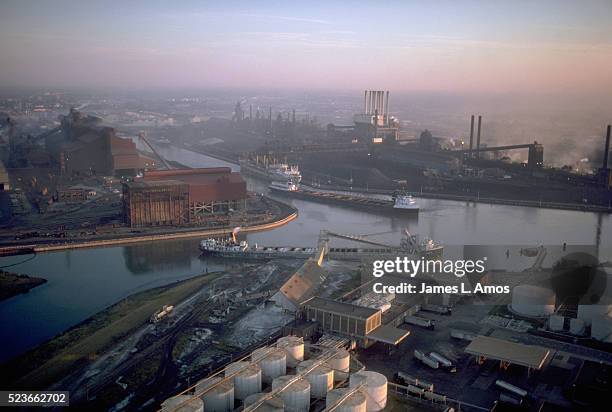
478,138
606,149
387,109
471,137
365,101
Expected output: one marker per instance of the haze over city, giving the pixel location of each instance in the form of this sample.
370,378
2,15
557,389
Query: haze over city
543,47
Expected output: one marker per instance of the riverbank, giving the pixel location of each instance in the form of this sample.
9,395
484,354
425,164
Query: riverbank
286,215
53,360
579,207
12,284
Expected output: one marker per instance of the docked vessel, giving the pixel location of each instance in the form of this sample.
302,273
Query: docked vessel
410,245
231,248
400,203
273,171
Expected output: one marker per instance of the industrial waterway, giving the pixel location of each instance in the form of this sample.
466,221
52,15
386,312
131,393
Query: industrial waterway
83,282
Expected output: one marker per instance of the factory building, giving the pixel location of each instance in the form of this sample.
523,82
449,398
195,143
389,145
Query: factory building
340,317
375,125
359,323
83,145
159,203
186,196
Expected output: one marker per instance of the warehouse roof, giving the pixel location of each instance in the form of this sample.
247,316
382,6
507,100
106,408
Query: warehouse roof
341,308
388,334
155,183
529,356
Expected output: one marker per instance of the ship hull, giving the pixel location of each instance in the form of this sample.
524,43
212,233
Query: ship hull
372,205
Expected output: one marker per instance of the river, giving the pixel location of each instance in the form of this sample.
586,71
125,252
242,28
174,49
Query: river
83,282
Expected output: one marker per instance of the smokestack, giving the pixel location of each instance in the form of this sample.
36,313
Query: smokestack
387,108
293,116
370,102
365,101
606,149
250,112
380,100
478,138
471,137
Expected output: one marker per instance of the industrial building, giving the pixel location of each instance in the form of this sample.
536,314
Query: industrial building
186,196
508,353
300,287
83,145
375,125
362,324
158,203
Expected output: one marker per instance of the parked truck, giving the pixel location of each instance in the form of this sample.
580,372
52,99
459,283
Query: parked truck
405,379
418,321
439,309
445,362
421,356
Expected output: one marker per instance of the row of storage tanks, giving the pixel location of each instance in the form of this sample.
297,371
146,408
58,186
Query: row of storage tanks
538,301
269,366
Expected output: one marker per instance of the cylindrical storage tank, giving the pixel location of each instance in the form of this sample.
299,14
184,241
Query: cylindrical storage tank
183,403
247,381
556,322
340,362
321,378
220,398
601,328
296,396
273,404
531,300
356,402
294,346
588,312
273,363
375,386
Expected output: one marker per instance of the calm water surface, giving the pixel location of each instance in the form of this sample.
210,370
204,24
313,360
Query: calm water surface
83,282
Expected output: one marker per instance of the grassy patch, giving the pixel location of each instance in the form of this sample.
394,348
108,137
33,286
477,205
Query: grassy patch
54,359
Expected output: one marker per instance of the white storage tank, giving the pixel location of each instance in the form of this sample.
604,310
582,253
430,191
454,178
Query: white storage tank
294,346
601,328
340,362
577,327
556,322
356,402
375,385
296,396
273,404
588,312
183,403
220,396
321,378
273,363
532,300
247,381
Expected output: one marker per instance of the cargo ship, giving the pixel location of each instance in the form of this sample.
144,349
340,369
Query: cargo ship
273,172
400,203
409,246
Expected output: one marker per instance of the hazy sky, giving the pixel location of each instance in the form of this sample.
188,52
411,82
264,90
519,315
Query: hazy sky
551,46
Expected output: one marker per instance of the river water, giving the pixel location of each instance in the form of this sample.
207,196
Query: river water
83,282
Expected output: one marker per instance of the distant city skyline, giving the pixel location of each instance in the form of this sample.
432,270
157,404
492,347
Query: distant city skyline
518,46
